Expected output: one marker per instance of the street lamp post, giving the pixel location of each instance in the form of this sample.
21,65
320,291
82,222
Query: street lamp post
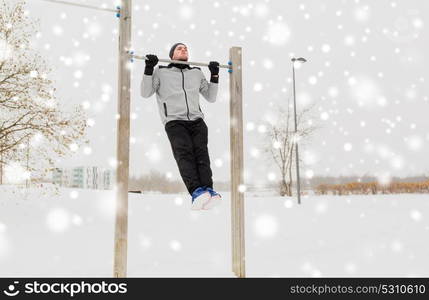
298,184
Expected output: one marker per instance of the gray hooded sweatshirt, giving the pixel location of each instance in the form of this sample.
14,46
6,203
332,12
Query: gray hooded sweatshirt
177,92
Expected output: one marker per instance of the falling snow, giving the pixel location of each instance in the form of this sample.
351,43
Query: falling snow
365,76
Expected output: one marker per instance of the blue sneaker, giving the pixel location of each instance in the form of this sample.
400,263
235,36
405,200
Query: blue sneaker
215,199
200,197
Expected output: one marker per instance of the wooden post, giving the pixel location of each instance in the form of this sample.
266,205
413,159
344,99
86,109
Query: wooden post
236,148
123,142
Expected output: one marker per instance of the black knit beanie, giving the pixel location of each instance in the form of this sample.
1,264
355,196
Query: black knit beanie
174,48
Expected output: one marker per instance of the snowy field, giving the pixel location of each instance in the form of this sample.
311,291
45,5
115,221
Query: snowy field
71,234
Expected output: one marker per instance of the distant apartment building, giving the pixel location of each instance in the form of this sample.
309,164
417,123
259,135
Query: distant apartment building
83,177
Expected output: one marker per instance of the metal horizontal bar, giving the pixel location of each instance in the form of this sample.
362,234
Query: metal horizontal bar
80,5
181,62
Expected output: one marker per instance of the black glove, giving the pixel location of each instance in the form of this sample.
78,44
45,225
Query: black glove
214,70
151,62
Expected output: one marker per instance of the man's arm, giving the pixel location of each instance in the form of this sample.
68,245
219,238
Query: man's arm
150,81
149,84
209,89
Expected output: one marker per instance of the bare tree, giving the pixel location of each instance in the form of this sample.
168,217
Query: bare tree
29,111
281,140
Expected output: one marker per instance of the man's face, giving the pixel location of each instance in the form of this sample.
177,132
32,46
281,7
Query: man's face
180,53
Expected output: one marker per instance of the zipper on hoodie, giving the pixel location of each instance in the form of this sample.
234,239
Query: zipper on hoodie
165,109
186,96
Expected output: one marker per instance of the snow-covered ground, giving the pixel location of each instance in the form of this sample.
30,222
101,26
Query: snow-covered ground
71,234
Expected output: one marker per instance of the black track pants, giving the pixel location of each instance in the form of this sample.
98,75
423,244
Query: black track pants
188,141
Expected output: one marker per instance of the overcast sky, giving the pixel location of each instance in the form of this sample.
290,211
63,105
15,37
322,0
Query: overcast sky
366,74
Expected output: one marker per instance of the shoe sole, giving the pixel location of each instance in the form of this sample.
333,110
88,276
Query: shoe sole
212,202
199,202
